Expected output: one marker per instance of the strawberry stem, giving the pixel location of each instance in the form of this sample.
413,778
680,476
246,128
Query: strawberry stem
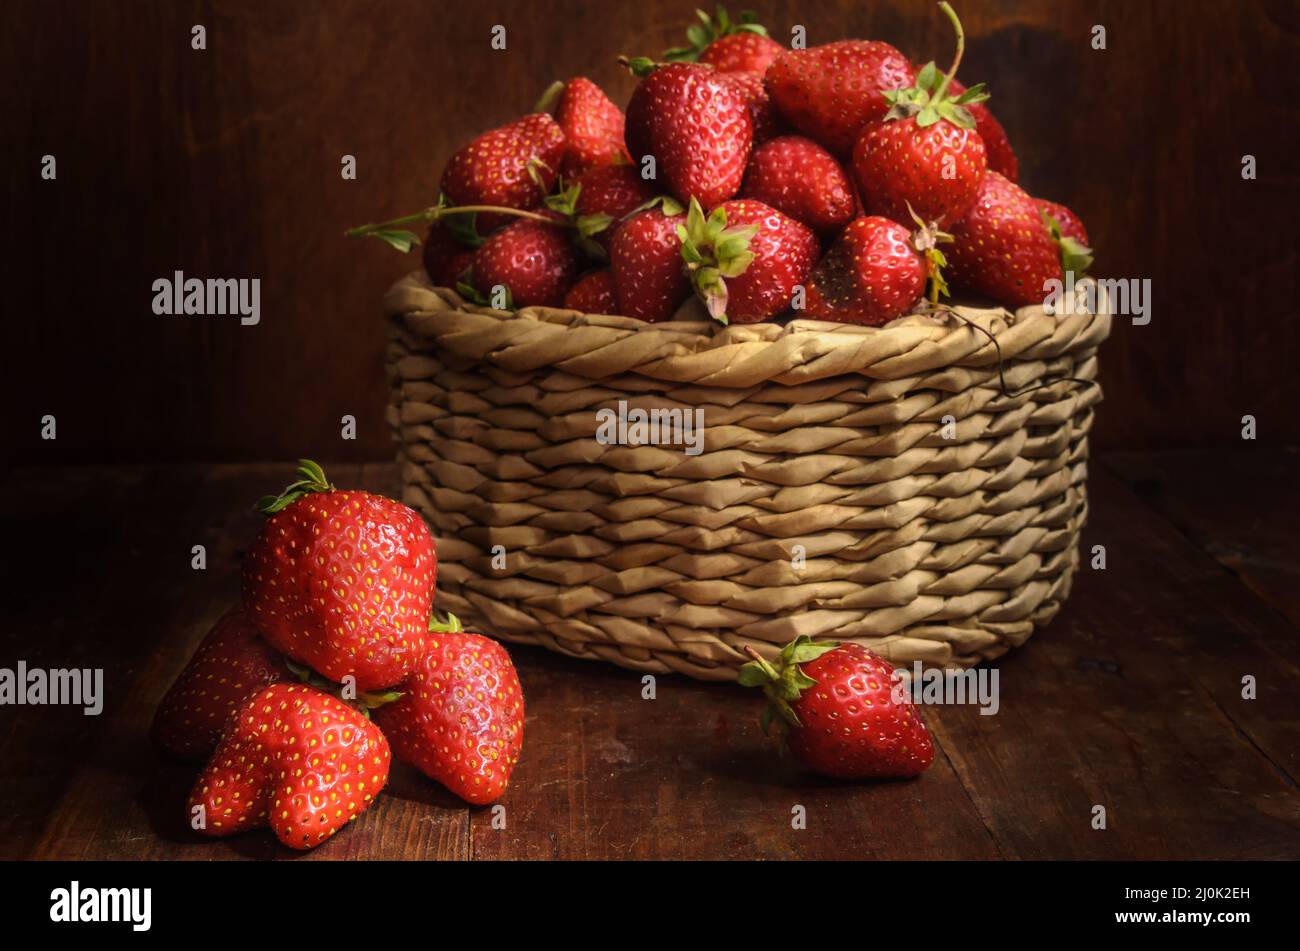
311,478
436,212
961,48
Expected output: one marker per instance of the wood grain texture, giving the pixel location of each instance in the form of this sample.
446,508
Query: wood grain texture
225,163
1130,699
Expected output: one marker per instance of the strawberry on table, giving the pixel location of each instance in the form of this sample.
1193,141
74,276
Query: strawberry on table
231,663
646,263
1003,249
341,581
923,156
746,258
536,261
295,758
460,718
798,177
843,716
875,271
830,92
514,166
696,124
593,294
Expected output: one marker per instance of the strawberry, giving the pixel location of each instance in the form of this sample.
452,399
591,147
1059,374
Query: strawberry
341,581
746,258
798,177
697,126
1002,159
873,273
536,262
923,156
295,758
761,112
593,294
445,259
844,716
460,718
513,166
592,126
830,92
231,663
613,190
742,53
741,46
645,260
1002,248
1068,221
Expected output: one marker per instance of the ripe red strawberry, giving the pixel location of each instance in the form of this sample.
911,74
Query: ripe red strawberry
593,294
740,46
645,259
1002,248
460,719
923,158
1002,158
830,92
231,663
445,259
746,258
536,261
697,126
872,274
798,177
846,720
1071,226
513,166
614,190
341,581
295,758
762,114
742,53
592,125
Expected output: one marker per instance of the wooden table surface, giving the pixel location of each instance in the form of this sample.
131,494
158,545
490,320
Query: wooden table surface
1131,699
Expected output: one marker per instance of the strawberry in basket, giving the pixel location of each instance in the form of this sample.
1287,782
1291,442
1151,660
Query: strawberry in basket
923,157
295,758
843,714
460,716
341,581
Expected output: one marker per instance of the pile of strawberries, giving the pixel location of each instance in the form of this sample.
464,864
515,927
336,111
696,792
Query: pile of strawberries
838,182
334,664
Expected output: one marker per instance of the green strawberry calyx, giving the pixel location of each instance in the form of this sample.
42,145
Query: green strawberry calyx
926,240
565,202
451,625
709,28
1075,255
365,700
714,252
784,682
311,478
930,100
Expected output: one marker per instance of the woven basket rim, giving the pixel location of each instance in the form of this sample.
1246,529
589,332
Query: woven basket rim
704,353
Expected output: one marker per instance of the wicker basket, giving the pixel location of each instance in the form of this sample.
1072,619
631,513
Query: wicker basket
921,539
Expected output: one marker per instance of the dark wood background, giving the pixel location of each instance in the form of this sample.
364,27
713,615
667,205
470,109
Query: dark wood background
225,163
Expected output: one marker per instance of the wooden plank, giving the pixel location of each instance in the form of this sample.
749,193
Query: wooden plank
1130,699
1235,505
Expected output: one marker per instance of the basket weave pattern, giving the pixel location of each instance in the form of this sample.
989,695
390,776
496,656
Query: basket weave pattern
822,440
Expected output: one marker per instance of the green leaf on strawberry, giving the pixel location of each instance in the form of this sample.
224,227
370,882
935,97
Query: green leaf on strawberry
784,682
311,478
1075,255
710,28
712,251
